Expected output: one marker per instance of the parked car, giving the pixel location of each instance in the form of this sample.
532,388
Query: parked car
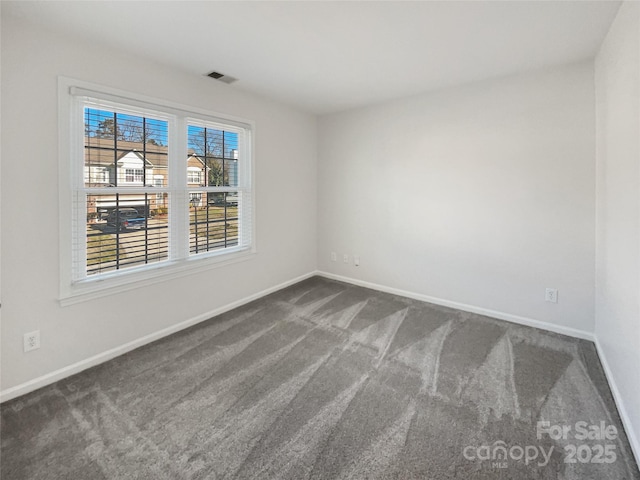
126,219
219,199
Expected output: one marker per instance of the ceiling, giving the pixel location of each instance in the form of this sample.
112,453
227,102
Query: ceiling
326,56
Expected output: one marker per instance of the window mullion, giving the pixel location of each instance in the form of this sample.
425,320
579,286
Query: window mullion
178,214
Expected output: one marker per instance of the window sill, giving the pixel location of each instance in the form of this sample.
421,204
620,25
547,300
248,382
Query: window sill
110,284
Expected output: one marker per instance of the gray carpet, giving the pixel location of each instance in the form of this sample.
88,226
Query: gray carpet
325,380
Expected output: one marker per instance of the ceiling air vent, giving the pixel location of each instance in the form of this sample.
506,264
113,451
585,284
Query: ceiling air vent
222,77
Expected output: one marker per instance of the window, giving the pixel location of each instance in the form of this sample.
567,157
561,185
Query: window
217,224
134,175
123,231
134,213
96,175
194,175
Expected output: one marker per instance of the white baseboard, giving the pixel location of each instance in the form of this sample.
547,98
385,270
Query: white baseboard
52,377
530,322
624,416
78,367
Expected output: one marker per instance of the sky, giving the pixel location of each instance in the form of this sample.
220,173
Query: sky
131,128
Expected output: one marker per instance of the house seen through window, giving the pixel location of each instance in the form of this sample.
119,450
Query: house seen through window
146,205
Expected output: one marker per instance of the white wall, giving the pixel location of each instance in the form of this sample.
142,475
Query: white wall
285,142
481,195
618,211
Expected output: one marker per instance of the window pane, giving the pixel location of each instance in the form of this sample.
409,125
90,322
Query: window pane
125,230
123,150
215,153
213,221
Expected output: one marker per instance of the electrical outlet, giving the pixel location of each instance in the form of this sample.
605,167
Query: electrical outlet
551,295
334,257
345,258
356,260
31,341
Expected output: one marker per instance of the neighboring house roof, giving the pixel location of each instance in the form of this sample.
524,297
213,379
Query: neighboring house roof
100,152
194,161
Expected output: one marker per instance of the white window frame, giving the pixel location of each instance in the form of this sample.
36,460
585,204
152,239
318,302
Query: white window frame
74,287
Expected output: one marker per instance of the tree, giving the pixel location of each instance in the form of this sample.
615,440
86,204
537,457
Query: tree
128,129
107,129
209,144
218,177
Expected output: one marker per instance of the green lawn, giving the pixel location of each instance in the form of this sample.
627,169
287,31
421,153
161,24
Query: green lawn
102,249
215,213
